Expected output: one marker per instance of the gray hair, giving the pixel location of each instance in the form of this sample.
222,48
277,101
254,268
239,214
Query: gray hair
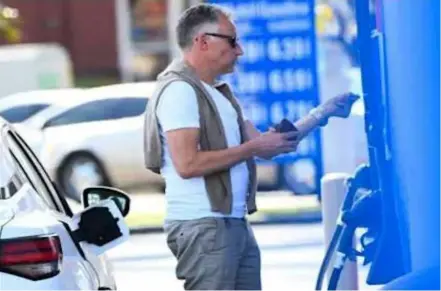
194,19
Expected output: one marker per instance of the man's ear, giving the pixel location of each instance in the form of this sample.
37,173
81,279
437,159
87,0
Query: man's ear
201,41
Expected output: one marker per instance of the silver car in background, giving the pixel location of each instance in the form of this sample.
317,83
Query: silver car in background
96,138
19,107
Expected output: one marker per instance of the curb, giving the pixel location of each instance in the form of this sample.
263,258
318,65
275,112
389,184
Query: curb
303,218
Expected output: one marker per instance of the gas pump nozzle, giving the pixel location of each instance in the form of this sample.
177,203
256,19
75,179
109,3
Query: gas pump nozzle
343,232
361,211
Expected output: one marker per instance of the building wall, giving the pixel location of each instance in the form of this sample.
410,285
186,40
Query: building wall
86,28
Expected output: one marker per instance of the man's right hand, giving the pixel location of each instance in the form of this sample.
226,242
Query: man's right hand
271,143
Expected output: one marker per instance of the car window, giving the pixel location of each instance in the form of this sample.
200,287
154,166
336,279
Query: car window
130,107
16,181
31,170
20,113
87,112
56,194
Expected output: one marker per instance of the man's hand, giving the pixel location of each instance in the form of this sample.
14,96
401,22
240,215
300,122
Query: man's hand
272,143
253,133
339,106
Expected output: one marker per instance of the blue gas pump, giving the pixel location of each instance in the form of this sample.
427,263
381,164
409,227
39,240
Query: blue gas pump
398,232
388,256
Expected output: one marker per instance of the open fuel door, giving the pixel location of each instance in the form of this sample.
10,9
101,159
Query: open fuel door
101,224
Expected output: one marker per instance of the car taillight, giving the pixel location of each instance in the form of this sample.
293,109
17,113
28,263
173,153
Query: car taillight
34,258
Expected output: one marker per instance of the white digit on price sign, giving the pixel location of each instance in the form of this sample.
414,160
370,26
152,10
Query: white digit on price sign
290,80
303,79
275,52
296,48
276,112
253,51
256,112
276,83
288,48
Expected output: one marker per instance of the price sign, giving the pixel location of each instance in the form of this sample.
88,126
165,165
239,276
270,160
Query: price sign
276,77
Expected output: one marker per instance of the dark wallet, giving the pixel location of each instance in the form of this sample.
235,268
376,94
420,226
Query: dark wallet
285,126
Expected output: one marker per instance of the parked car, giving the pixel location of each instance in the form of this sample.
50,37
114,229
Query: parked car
43,245
96,139
18,107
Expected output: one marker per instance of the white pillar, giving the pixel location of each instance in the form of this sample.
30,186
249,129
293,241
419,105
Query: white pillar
194,2
333,191
123,40
174,10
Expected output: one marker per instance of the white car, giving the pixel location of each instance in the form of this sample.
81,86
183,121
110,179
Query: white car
43,245
97,139
18,107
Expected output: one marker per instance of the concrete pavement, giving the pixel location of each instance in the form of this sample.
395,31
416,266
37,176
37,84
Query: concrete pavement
291,257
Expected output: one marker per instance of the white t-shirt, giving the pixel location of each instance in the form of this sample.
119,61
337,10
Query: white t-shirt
187,198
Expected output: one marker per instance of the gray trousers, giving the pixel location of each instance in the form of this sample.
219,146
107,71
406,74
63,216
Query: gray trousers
215,253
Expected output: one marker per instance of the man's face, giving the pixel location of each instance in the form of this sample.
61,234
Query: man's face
221,47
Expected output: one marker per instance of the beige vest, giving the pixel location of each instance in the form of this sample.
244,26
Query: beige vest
212,135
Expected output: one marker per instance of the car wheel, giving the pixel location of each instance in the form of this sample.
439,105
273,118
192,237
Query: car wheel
79,172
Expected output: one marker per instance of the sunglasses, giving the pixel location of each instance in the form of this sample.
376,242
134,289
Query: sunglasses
232,40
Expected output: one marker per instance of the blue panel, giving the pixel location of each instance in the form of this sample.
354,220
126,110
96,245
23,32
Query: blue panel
413,58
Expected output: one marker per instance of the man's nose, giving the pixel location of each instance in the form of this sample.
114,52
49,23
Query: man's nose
239,50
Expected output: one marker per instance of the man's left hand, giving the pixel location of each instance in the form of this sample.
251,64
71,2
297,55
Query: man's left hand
340,106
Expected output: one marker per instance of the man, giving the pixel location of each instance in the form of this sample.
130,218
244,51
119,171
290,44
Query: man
196,136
